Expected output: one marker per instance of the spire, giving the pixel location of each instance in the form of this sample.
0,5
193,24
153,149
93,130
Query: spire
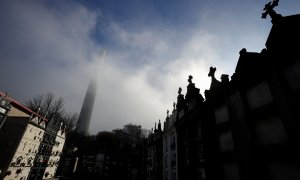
85,115
192,91
180,100
166,123
159,125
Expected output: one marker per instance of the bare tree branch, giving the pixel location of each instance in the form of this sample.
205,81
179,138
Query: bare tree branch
54,107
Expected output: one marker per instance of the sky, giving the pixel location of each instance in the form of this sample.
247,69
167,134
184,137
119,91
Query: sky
139,51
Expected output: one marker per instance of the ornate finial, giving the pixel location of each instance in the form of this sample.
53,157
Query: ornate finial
168,113
64,131
179,91
269,9
155,126
225,78
38,110
243,51
174,105
60,125
190,79
7,93
264,51
212,71
159,126
215,84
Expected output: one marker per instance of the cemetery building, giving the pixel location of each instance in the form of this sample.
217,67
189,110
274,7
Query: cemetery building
170,147
155,154
23,136
4,108
247,127
49,152
189,134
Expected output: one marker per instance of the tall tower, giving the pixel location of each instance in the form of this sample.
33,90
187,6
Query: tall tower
85,115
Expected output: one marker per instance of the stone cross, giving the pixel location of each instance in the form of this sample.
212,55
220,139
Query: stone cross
269,9
212,71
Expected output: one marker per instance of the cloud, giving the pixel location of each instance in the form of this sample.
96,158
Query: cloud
142,94
46,49
57,47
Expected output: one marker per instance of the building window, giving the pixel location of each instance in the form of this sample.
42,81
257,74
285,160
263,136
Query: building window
19,160
201,173
283,170
221,114
292,75
24,146
231,171
271,132
226,142
259,95
29,161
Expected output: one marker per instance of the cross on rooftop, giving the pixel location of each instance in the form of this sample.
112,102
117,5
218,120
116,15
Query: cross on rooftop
269,10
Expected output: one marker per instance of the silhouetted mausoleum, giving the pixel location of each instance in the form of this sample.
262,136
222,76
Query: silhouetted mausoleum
248,127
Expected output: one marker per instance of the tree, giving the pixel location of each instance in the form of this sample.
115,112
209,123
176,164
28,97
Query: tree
53,109
132,129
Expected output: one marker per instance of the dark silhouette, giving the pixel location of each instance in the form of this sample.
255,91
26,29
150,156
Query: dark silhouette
53,107
119,154
248,127
180,100
85,115
215,84
269,9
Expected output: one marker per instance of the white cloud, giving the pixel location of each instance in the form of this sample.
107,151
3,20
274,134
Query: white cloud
46,49
50,49
143,95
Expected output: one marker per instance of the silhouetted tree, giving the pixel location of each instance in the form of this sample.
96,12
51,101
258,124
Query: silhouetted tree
123,150
53,108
